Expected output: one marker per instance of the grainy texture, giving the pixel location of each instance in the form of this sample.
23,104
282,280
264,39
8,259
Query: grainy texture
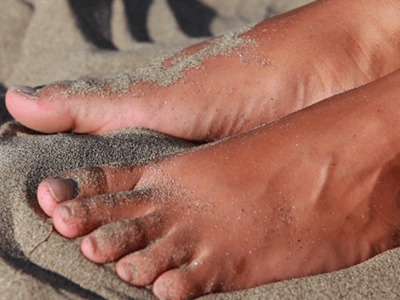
43,41
156,72
27,235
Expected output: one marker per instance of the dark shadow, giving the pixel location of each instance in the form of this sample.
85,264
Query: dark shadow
2,91
4,115
194,18
270,12
94,20
137,12
57,282
30,5
13,256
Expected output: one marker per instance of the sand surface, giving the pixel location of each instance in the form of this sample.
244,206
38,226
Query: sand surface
43,41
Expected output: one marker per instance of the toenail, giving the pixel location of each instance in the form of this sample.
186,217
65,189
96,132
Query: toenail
128,272
161,291
26,90
65,213
38,88
62,189
91,244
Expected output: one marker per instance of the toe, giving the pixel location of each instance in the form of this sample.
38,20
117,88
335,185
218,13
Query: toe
187,282
116,239
85,183
52,191
104,180
55,109
80,216
45,110
143,267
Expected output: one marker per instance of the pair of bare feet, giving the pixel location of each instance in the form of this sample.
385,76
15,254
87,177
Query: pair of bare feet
311,190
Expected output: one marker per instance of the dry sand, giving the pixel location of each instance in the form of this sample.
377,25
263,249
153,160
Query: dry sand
43,41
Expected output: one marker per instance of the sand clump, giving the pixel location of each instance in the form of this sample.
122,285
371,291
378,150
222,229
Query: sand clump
157,72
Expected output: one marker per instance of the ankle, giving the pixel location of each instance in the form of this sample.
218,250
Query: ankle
373,29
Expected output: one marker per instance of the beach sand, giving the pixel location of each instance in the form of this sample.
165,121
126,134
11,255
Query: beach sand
43,41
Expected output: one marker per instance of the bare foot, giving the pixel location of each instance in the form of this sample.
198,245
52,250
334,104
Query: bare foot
230,85
313,192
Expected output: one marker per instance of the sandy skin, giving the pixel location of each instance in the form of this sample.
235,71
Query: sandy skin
284,64
167,223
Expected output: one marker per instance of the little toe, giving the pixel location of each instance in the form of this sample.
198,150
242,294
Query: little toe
143,267
186,283
117,239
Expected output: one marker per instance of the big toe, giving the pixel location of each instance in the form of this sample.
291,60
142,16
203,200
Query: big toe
45,111
52,109
52,191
